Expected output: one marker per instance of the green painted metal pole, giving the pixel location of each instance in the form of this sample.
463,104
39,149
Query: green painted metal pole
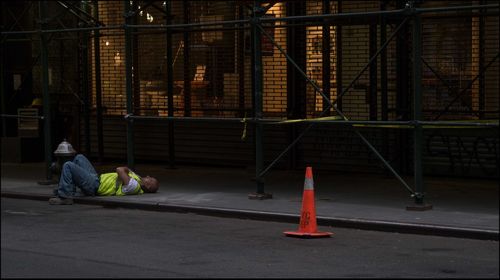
98,86
241,65
383,80
481,39
128,86
187,62
170,89
45,90
326,57
338,63
3,99
417,110
372,88
85,85
258,89
383,66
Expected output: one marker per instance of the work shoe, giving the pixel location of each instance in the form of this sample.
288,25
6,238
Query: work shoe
60,201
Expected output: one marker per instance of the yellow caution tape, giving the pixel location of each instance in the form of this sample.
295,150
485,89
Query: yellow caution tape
244,120
244,135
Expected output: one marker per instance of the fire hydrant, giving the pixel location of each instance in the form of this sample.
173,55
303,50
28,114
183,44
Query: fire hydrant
63,153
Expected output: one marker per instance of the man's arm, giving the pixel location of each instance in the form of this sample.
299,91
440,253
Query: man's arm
123,174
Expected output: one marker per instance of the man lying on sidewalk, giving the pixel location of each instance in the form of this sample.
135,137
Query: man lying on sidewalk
80,173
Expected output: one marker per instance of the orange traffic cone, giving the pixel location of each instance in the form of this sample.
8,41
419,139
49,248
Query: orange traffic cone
308,226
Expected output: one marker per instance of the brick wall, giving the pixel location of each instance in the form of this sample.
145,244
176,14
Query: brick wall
492,87
355,54
112,45
274,92
314,60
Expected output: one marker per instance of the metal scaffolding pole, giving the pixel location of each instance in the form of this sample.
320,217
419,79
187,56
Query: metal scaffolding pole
98,86
170,85
384,102
481,40
383,67
187,62
45,90
339,50
372,88
417,116
258,89
326,56
128,81
3,98
85,84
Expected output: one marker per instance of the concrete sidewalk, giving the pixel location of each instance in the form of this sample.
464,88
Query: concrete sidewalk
461,207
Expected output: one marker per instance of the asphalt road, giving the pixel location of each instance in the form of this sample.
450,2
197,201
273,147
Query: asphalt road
87,241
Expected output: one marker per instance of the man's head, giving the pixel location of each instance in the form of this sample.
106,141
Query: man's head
150,184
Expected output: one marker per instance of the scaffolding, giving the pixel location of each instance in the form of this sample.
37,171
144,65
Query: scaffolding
407,18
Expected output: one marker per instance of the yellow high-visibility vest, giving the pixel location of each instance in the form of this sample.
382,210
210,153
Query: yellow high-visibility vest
110,184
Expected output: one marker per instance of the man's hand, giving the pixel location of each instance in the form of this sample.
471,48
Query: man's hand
123,174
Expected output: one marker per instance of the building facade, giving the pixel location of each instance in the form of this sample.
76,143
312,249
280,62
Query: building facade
361,62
